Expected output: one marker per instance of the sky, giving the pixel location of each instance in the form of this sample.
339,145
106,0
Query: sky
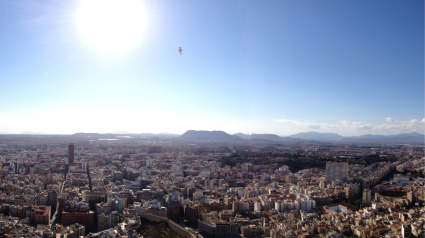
279,67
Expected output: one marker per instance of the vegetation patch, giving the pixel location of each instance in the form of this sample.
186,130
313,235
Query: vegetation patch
156,229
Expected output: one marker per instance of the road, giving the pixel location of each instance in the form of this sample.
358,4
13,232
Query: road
52,220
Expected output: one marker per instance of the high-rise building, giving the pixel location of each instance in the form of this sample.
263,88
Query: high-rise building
103,221
367,196
154,149
71,153
104,208
411,197
52,198
117,203
292,179
192,214
92,198
336,171
61,201
322,184
406,231
349,192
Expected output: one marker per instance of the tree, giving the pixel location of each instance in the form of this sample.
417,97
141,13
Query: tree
347,233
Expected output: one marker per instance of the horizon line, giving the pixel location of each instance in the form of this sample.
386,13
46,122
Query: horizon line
162,133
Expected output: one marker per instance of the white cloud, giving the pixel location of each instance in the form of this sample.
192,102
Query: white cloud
354,125
309,125
411,125
405,126
314,126
288,121
341,124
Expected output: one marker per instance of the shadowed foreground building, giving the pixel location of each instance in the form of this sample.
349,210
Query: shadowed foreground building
71,153
106,221
92,198
336,171
83,216
367,198
218,229
154,149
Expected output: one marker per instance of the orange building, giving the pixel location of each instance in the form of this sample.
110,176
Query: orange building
83,216
40,215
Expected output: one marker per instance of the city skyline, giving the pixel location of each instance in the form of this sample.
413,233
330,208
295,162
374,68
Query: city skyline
96,187
350,68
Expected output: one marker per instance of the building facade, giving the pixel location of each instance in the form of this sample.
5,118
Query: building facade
71,153
85,217
92,198
40,215
367,197
336,171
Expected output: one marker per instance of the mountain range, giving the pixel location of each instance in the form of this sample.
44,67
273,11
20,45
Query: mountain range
271,137
221,136
404,138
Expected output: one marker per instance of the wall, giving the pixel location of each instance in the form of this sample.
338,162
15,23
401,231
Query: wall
174,226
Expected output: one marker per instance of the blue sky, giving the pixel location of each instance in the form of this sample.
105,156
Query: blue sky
281,67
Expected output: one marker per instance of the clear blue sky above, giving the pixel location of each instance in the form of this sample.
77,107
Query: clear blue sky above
281,67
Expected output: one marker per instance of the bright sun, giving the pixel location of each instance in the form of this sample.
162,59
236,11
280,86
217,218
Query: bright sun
111,25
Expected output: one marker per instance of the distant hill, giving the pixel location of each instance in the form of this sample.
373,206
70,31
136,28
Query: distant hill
243,136
160,135
115,136
221,136
93,135
404,138
317,136
87,134
261,141
266,137
209,136
269,137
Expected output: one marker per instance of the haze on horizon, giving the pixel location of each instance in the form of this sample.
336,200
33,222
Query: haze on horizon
281,67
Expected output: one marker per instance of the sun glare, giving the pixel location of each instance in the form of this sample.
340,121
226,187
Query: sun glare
111,25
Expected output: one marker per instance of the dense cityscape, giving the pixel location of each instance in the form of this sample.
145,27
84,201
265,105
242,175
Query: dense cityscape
94,185
212,119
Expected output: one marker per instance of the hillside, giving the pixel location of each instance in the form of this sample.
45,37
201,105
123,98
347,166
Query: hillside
254,137
267,137
243,136
404,138
209,136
